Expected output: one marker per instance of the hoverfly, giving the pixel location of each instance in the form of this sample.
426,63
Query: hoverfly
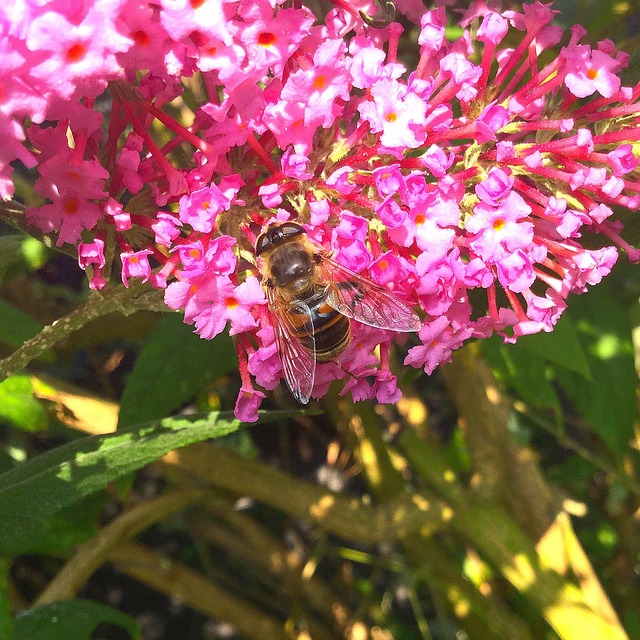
311,299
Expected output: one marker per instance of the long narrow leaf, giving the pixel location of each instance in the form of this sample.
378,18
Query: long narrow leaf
71,620
39,488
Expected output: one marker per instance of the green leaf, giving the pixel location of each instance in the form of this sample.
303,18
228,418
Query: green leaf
35,490
6,621
561,346
70,620
608,401
524,372
10,246
19,405
173,365
16,327
70,526
35,253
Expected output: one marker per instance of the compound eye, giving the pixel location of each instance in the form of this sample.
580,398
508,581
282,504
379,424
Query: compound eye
290,229
262,243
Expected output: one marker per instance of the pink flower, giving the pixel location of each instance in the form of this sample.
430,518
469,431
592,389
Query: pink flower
466,185
135,265
91,253
493,29
322,84
121,218
192,257
386,387
589,71
233,304
201,208
68,215
496,186
623,160
497,229
247,404
166,228
74,52
396,113
269,40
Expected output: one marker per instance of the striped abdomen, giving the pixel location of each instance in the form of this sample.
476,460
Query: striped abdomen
330,329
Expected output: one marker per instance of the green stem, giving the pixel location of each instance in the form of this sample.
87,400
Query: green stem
116,298
93,553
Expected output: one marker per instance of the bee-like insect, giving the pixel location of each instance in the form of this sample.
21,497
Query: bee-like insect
311,299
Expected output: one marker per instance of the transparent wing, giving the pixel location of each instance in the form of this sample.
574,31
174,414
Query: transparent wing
298,363
363,300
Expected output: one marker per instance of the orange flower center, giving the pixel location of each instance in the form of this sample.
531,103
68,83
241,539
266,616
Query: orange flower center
70,206
266,39
76,52
141,38
319,83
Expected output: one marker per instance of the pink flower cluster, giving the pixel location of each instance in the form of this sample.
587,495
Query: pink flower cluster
169,133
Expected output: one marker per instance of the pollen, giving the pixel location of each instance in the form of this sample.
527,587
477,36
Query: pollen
231,303
70,206
76,52
592,73
498,224
383,264
205,205
420,219
141,38
196,4
391,117
266,39
194,253
134,259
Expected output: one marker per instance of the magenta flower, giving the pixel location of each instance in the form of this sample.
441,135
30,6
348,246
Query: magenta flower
135,265
463,186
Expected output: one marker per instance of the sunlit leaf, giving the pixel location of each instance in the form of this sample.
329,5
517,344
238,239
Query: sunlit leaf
561,347
76,407
523,372
35,490
19,406
608,401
